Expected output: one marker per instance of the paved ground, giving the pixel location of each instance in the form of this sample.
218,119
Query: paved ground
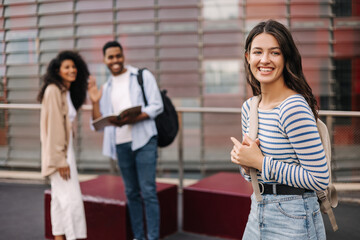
22,214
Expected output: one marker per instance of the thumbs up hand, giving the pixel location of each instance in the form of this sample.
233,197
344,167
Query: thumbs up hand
247,154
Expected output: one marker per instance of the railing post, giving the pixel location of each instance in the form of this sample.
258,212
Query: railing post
180,153
202,148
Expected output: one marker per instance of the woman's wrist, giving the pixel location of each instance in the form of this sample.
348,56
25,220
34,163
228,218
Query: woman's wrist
95,102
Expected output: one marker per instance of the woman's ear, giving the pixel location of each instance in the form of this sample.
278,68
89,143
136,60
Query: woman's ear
247,57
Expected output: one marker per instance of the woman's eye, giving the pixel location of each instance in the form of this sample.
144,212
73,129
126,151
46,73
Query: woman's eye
257,52
276,53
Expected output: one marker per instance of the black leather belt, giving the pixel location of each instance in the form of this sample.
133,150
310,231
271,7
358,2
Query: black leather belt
280,189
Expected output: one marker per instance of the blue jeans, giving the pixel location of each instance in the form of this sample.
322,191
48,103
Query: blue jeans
293,217
138,169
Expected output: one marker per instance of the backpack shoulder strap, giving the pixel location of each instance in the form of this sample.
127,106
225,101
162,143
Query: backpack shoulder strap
254,120
325,139
141,83
328,197
253,131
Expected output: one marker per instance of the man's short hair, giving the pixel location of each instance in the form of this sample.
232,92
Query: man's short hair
112,44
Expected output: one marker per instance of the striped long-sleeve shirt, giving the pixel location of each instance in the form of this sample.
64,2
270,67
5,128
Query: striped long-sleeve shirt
291,144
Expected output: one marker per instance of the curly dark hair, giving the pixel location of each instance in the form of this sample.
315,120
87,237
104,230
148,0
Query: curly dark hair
293,72
77,88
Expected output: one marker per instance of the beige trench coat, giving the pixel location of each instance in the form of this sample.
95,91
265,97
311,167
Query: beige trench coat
54,130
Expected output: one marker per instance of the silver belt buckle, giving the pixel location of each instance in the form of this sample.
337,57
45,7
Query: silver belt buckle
262,187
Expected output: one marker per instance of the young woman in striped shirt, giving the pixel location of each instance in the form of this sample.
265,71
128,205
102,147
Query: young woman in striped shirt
288,153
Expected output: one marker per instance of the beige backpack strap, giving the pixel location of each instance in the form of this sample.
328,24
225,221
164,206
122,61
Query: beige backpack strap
328,198
333,202
332,219
332,195
326,208
325,140
255,184
253,131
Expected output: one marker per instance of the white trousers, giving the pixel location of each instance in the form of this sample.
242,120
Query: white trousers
67,207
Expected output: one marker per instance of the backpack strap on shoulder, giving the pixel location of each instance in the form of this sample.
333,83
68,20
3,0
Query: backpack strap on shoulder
141,83
326,207
253,132
328,198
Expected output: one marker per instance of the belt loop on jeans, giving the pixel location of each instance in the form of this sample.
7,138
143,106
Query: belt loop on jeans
262,188
274,189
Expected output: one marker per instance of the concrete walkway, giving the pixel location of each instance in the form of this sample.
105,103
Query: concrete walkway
22,209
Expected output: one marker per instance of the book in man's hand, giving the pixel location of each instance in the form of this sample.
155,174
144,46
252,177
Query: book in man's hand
102,122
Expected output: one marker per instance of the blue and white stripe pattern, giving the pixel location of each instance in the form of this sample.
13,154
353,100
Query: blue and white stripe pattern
291,144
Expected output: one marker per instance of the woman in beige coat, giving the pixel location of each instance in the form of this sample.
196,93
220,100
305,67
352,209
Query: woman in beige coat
62,94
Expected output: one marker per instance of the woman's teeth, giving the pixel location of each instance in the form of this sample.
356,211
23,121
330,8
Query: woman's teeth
265,69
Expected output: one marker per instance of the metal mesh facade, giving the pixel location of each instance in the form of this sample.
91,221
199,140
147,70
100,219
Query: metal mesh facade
193,47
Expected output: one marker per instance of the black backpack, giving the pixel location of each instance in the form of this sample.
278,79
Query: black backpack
167,123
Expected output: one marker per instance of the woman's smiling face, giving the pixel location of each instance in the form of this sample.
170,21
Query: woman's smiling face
266,59
68,72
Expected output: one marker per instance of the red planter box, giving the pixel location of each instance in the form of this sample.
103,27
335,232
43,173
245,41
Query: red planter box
106,211
218,206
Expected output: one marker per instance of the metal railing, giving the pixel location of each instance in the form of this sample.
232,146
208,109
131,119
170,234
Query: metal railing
330,115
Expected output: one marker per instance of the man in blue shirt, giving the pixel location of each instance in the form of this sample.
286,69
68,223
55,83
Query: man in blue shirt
132,140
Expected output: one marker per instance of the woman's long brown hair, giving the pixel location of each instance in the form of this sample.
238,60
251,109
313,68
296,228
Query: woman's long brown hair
293,72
